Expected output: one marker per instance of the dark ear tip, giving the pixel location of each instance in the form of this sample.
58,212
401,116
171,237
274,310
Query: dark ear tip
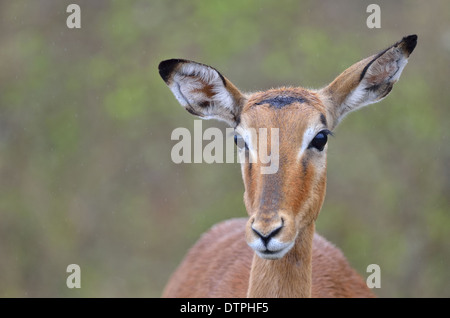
166,68
409,43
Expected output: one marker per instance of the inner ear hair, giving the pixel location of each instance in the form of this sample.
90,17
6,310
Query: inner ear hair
368,81
202,90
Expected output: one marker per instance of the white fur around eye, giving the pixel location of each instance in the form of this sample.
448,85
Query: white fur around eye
249,136
308,135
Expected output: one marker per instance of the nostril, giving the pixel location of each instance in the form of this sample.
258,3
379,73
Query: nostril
267,237
258,233
275,232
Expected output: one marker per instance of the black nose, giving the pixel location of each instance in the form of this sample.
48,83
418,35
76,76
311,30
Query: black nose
267,237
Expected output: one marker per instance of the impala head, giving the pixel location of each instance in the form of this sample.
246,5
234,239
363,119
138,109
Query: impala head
283,203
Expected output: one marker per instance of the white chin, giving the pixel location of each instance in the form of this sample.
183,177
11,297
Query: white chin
274,250
273,255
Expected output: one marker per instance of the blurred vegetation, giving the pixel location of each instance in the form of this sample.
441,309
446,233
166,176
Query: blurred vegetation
85,123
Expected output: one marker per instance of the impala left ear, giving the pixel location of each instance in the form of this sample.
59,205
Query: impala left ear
202,90
367,81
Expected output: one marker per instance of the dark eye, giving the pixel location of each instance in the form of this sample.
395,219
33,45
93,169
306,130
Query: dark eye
239,141
320,140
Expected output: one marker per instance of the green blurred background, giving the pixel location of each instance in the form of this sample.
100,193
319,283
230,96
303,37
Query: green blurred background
85,122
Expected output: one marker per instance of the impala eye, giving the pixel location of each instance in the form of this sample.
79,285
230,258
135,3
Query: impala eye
240,142
320,140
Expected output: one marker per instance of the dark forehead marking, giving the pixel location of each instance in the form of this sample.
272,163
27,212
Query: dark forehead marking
281,101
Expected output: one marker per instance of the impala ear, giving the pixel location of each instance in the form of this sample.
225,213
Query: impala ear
367,81
202,90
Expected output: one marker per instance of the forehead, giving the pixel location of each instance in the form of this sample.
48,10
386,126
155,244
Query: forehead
284,108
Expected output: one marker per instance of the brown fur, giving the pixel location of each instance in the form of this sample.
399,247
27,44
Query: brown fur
282,206
227,273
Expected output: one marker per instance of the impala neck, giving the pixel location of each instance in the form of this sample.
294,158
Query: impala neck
288,277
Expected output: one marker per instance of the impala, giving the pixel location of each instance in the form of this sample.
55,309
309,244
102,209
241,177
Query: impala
288,259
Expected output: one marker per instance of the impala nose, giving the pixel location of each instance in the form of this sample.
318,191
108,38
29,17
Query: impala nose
266,237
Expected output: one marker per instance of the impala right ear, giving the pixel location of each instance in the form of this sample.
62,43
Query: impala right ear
202,90
367,81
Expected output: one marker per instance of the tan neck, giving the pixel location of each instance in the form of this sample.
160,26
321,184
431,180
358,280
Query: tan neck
288,277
